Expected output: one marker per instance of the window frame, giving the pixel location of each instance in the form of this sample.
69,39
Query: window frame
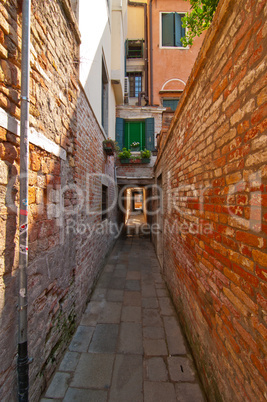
134,74
170,99
160,31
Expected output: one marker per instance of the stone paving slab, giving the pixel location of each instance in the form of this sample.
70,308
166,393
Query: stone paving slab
181,369
159,392
115,295
104,339
130,339
93,371
129,346
155,369
187,392
85,395
81,339
70,361
155,347
131,314
127,379
58,386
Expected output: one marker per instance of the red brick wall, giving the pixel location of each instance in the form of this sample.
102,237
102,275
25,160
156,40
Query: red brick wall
65,248
213,165
92,169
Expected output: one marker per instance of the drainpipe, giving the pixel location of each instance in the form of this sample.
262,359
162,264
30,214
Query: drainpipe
23,361
151,53
146,55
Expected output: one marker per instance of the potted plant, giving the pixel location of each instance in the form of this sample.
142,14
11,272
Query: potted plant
145,155
110,146
135,146
125,155
135,159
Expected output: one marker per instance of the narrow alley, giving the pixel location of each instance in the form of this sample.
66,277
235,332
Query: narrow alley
129,345
133,177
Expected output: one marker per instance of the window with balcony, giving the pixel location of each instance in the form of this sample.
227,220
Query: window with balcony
134,49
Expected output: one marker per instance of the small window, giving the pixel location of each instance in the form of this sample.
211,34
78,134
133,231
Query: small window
172,30
172,103
134,49
135,83
104,202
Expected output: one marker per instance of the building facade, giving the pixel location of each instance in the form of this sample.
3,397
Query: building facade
156,70
170,62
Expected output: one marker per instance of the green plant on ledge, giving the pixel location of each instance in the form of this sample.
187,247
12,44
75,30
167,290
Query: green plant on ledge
145,154
125,154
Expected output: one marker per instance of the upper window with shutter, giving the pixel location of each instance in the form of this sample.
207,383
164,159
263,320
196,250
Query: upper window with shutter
172,30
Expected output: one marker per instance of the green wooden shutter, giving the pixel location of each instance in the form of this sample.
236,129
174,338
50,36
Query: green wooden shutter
179,30
167,29
150,134
120,131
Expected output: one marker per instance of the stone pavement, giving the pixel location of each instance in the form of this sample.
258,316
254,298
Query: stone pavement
129,346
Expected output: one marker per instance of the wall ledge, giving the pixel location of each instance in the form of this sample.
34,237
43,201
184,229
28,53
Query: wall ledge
36,138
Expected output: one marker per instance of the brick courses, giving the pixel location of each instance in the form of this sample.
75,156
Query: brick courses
64,262
213,166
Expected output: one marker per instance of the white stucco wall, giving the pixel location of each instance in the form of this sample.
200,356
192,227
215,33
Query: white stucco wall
95,28
102,38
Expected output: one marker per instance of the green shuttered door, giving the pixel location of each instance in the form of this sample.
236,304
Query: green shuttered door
128,132
134,132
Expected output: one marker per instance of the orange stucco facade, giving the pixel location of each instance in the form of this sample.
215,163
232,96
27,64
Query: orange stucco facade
171,66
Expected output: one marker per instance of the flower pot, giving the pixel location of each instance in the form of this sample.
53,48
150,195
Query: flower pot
126,160
145,160
108,148
109,151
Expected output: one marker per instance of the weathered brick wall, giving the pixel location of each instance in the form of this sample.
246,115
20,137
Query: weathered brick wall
92,169
213,165
65,146
136,169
